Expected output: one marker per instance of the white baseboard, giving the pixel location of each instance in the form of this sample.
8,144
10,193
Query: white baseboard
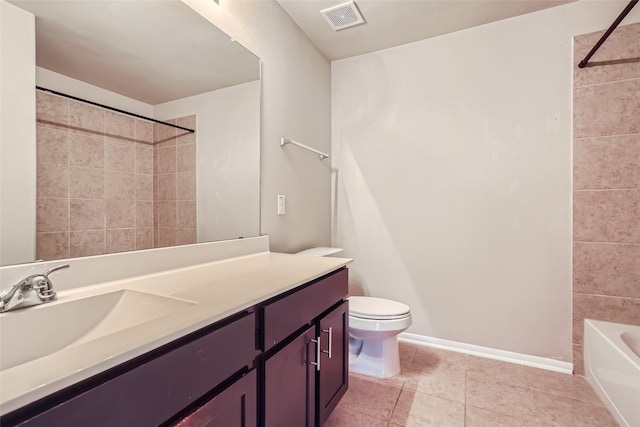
489,353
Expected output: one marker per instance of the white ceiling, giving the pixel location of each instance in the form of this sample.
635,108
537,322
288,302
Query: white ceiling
151,51
395,22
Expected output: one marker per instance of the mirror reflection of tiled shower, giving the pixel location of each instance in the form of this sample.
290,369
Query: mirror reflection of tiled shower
108,182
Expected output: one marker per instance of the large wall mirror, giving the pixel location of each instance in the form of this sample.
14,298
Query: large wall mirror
108,181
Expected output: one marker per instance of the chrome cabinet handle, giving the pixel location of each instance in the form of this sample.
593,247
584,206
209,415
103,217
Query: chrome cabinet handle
330,332
317,362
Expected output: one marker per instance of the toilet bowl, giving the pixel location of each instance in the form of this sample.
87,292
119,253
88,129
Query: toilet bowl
374,325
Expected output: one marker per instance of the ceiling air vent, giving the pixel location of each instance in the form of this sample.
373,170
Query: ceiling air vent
342,16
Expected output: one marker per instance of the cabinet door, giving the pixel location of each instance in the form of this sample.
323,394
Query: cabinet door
334,358
234,407
289,383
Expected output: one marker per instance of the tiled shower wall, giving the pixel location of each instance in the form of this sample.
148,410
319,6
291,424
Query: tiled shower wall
174,189
606,183
95,180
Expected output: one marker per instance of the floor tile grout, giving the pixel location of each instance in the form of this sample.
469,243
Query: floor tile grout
539,397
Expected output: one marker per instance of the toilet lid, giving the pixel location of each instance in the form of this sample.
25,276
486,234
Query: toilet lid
376,308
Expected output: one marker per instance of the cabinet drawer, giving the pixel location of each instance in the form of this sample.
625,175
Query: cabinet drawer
286,315
154,391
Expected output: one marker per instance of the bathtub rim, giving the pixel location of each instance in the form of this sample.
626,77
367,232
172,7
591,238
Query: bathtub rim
611,333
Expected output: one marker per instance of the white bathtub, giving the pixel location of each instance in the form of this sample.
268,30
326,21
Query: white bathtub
612,367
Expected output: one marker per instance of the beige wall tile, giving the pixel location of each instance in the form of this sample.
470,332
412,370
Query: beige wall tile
186,158
119,185
598,307
144,238
52,181
166,160
86,117
167,214
606,216
605,163
606,269
143,159
86,183
143,187
119,156
607,109
617,48
120,240
117,124
167,187
52,215
86,214
143,131
52,108
164,136
186,236
52,245
144,214
120,214
578,359
52,145
166,237
86,150
186,214
85,243
184,137
186,186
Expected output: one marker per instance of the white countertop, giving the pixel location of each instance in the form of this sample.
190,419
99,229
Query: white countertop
217,290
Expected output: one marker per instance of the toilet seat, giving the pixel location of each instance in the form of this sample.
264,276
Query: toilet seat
373,308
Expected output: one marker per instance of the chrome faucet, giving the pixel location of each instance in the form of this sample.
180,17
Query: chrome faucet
35,289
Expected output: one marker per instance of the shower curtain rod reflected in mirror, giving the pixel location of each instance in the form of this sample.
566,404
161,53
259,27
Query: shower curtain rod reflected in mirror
117,110
604,37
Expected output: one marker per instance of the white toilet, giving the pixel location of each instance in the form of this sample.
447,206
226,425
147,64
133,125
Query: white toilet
374,325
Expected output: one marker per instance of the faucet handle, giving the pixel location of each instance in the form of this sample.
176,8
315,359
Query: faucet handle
56,268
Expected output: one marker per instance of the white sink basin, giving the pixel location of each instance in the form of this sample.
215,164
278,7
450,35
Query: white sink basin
38,331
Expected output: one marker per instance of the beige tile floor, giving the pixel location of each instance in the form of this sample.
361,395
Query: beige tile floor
443,388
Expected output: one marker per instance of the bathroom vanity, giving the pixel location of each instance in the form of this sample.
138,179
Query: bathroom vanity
261,340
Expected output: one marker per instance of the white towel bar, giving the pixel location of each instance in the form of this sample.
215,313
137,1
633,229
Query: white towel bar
285,141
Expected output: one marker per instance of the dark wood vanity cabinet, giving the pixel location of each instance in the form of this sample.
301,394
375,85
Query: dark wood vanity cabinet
305,366
157,387
281,363
334,368
236,406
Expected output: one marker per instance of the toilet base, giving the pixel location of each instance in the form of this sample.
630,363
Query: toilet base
377,358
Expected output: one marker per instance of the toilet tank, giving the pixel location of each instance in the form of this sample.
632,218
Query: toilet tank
320,251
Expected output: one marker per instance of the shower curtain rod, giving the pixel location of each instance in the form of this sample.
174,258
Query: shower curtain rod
613,26
117,110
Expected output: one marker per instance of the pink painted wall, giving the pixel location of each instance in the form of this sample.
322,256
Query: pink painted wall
606,183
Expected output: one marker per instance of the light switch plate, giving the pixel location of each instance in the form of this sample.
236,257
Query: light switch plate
281,205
